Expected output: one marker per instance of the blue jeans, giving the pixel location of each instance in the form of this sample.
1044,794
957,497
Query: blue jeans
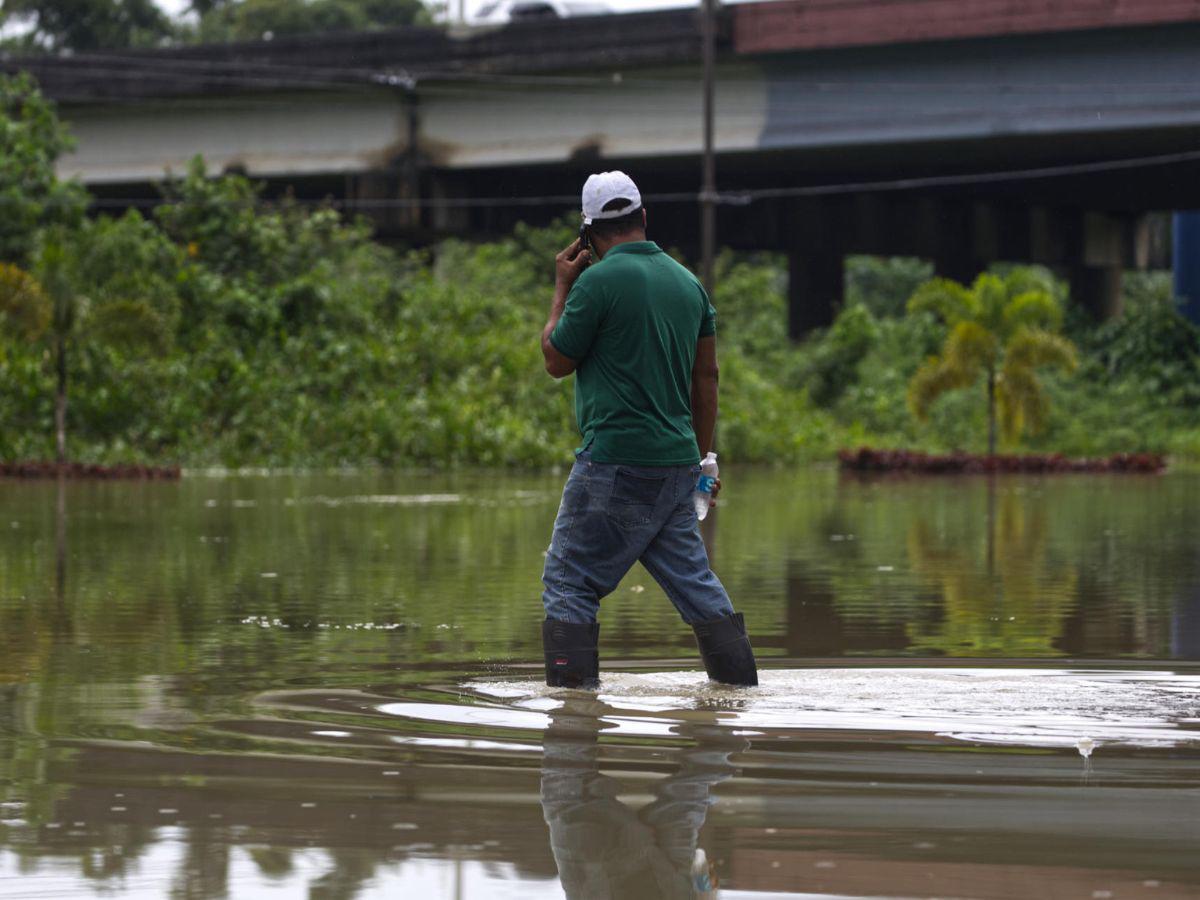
613,516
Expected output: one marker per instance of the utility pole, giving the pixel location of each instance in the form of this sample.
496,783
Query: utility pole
708,187
406,85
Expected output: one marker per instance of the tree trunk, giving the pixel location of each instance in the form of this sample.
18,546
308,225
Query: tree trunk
60,401
991,389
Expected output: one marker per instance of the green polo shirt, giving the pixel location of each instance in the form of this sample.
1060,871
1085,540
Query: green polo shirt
631,323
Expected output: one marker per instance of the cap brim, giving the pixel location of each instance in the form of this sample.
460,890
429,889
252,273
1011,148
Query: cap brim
615,214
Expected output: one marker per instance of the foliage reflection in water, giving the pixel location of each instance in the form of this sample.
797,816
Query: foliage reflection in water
326,683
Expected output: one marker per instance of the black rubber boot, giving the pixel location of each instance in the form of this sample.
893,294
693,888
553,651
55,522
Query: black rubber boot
726,650
572,657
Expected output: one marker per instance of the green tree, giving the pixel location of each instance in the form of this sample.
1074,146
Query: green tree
1002,329
95,291
39,308
31,196
83,25
252,20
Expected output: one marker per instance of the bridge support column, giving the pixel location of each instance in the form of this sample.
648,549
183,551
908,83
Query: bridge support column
962,269
370,187
954,254
816,286
1105,243
1097,289
1185,261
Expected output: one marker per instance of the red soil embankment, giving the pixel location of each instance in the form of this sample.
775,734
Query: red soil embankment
864,459
35,469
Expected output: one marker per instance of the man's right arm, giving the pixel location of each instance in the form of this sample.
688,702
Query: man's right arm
582,323
704,393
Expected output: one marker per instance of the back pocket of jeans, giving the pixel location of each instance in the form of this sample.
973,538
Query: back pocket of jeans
634,497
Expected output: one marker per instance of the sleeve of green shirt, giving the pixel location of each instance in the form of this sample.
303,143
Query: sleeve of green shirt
576,329
708,324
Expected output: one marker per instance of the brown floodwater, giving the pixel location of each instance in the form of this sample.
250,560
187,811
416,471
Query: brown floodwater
328,685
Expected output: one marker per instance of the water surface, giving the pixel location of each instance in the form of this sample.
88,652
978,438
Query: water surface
328,686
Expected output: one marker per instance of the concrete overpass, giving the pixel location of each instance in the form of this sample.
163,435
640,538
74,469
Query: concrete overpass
964,131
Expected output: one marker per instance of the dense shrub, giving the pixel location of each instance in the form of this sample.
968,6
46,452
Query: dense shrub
286,336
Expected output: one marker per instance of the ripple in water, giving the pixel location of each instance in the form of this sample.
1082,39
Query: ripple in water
1032,707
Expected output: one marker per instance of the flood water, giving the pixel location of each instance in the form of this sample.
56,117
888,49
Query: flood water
330,686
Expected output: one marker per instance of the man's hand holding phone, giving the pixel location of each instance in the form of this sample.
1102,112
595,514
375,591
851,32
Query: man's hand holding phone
569,263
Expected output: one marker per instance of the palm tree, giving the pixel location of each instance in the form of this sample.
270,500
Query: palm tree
1002,329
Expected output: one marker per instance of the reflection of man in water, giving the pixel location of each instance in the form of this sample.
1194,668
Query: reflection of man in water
603,848
638,331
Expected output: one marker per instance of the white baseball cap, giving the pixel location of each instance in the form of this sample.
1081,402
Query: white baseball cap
604,187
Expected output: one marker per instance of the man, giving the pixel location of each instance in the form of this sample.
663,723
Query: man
638,331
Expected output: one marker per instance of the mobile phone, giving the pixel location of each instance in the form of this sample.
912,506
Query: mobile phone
586,237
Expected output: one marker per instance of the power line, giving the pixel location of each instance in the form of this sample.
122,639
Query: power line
730,198
819,101
201,66
742,198
253,72
836,111
378,74
226,79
